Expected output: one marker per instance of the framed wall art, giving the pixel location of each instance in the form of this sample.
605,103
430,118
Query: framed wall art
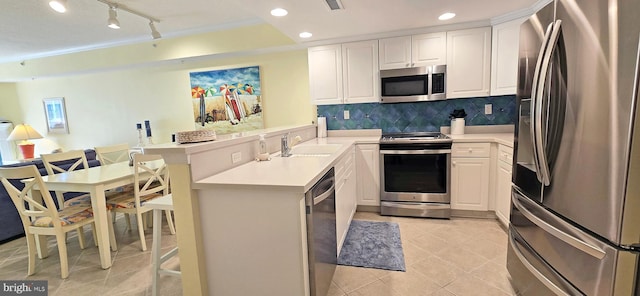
56,115
228,100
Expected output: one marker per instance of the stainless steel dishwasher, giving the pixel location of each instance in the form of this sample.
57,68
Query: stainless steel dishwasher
321,233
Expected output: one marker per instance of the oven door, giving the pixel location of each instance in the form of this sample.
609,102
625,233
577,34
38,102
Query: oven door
415,175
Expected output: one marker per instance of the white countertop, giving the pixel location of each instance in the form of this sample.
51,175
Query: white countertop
285,173
501,138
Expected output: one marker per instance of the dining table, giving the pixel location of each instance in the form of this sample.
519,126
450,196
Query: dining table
95,181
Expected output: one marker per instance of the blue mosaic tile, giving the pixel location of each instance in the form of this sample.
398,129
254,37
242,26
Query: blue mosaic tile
418,116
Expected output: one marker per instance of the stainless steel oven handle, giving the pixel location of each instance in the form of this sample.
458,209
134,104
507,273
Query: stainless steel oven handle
561,235
440,151
543,279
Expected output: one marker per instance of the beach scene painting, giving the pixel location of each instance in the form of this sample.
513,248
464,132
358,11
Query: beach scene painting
228,100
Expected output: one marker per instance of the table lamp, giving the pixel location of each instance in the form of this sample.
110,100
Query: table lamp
24,133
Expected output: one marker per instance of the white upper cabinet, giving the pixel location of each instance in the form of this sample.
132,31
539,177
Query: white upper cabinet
504,58
344,73
325,74
468,63
395,53
429,49
361,78
413,51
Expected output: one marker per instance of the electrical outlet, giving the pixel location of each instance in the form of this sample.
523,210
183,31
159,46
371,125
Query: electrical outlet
236,157
346,114
488,109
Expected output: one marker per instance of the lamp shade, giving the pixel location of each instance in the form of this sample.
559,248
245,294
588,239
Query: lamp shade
23,132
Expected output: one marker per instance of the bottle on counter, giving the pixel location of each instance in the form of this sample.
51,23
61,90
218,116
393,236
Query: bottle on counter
263,144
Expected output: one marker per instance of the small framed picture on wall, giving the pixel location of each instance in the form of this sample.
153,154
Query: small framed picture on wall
56,115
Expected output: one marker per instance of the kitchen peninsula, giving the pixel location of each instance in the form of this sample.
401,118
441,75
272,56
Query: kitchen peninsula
242,225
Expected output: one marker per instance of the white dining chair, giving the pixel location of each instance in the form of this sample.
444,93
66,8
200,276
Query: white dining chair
151,181
41,217
115,154
112,154
52,163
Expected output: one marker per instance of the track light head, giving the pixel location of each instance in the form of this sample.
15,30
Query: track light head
113,22
58,5
154,32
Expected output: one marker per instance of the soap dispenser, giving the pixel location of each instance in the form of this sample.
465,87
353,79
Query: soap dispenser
263,154
263,144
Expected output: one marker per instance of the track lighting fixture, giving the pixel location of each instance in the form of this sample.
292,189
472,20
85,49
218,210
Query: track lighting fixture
154,32
58,5
113,22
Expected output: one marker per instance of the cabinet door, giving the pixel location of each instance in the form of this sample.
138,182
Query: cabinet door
468,63
470,184
360,72
503,192
395,53
368,174
345,195
504,58
325,74
429,49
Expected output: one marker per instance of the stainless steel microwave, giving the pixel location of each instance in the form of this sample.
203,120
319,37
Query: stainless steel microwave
413,84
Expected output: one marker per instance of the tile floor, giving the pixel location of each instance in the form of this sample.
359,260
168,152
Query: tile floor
130,273
460,257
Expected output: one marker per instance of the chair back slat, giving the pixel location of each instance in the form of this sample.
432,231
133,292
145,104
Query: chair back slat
150,179
112,154
52,161
21,198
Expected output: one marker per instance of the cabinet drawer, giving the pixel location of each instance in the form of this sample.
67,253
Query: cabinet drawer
470,149
505,154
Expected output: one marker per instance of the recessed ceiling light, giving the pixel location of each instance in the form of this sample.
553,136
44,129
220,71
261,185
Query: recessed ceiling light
446,16
279,12
58,5
305,35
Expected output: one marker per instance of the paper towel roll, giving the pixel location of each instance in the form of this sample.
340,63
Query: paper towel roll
457,126
322,127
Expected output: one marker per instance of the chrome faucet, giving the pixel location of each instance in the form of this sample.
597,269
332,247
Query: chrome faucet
285,150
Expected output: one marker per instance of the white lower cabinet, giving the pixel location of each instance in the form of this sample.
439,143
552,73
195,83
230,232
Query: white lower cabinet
368,174
345,173
503,184
470,176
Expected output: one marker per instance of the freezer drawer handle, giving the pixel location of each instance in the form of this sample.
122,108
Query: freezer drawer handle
544,280
580,245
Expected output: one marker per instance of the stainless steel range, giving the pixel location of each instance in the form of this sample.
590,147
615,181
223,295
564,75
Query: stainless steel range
415,175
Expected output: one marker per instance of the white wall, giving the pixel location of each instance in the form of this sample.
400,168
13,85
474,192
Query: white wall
102,109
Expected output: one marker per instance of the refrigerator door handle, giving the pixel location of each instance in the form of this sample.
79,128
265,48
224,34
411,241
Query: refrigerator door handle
571,240
534,91
543,279
541,133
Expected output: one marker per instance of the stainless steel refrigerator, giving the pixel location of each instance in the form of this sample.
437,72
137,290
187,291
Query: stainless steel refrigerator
575,217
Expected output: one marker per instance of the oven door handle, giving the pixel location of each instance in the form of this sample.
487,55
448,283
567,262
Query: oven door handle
422,151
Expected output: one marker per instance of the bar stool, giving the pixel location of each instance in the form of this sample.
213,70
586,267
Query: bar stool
160,204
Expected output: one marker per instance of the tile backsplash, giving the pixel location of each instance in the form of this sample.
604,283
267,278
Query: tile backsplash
419,116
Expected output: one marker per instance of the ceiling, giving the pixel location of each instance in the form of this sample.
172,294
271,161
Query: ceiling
30,29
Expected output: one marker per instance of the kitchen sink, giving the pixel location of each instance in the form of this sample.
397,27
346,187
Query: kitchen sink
324,149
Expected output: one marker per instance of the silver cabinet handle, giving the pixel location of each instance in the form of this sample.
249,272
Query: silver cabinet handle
571,240
534,92
544,166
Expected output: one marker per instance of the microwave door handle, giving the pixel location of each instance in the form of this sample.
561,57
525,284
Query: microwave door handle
534,92
541,134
